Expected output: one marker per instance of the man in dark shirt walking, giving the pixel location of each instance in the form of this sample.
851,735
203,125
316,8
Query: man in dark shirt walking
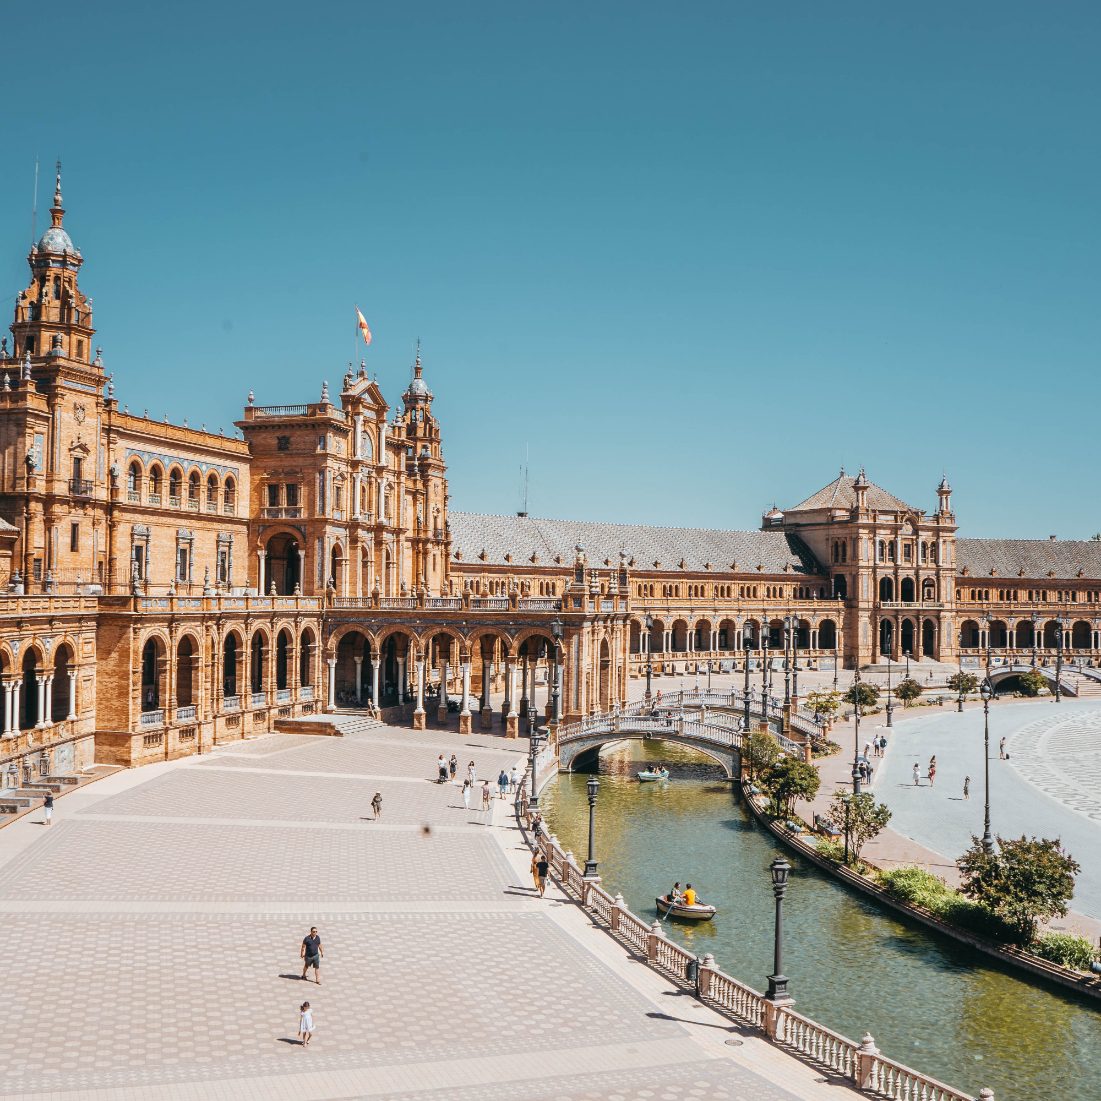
311,955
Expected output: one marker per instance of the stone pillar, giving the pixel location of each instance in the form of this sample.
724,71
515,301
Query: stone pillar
359,678
506,705
864,1068
419,717
41,683
9,708
374,682
512,719
72,694
441,711
524,701
49,699
332,683
464,711
484,707
16,704
261,556
707,969
401,681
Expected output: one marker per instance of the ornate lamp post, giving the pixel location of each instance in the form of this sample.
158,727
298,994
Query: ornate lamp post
890,705
745,701
1059,659
986,691
777,981
856,732
787,661
907,664
708,674
764,662
649,621
795,662
987,623
959,685
533,753
1035,623
556,688
592,786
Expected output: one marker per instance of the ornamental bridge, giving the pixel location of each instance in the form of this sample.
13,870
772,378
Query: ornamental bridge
711,722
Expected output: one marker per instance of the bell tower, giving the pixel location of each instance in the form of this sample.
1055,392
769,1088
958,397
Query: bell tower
53,318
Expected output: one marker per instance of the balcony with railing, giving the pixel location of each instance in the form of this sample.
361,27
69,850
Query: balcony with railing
258,699
80,487
151,718
281,512
231,703
282,695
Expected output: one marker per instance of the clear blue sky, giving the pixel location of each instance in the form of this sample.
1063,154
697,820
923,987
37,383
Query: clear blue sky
696,262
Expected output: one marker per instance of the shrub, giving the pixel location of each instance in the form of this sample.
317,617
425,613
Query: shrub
831,849
1066,950
824,748
1032,682
908,691
965,682
869,696
917,886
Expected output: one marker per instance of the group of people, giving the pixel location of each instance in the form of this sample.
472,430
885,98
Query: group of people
931,774
507,782
687,897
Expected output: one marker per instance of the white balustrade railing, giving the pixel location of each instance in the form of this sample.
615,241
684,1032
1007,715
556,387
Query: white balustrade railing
231,703
186,714
152,718
306,692
873,1073
282,695
258,699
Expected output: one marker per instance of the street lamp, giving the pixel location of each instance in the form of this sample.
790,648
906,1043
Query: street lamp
708,674
907,664
649,654
593,786
556,688
764,661
777,981
986,691
795,662
890,705
1035,624
959,685
533,753
1059,659
787,661
987,623
856,731
745,702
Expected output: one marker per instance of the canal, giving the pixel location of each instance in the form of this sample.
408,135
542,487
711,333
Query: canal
928,1002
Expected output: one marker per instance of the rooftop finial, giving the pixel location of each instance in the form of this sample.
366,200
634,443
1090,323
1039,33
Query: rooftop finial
417,365
57,211
57,184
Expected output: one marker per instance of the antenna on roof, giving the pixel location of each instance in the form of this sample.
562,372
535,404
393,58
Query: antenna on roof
524,482
34,205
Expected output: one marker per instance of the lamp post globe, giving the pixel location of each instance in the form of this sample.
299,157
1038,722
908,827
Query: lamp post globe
779,870
533,754
649,622
745,690
856,732
987,692
592,787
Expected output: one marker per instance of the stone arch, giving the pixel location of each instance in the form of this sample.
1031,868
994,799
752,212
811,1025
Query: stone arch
1080,635
187,670
194,487
907,637
701,635
337,566
156,481
998,634
1025,634
175,483
886,638
728,635
928,638
635,637
283,563
63,687
604,676
212,488
307,655
886,590
800,637
154,672
928,590
30,709
229,495
232,657
284,657
827,635
396,652
657,637
679,633
1051,634
135,475
906,590
354,659
258,644
969,635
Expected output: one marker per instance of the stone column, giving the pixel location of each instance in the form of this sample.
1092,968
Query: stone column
72,694
16,704
464,711
9,708
441,711
487,668
332,683
419,716
41,682
512,719
49,699
506,704
374,683
401,681
261,556
359,678
524,702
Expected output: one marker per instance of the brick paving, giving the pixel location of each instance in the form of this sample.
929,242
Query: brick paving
158,925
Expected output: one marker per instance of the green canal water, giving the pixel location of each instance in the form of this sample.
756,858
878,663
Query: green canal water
929,1003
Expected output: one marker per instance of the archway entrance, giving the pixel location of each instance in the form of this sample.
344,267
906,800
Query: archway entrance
906,636
604,692
284,564
928,639
886,638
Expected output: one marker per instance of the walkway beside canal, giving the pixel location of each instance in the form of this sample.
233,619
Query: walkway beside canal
158,924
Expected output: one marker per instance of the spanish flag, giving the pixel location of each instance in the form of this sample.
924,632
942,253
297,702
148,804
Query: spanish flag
361,321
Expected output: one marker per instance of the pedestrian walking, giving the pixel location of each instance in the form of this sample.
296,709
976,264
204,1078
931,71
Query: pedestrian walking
917,774
453,766
932,769
466,794
311,954
502,784
1002,755
867,750
514,779
441,769
537,826
541,869
376,805
535,856
48,808
967,787
487,795
305,1023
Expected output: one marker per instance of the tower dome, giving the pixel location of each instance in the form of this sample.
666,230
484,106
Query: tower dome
55,239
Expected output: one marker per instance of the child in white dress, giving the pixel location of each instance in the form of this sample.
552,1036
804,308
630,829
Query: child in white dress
305,1023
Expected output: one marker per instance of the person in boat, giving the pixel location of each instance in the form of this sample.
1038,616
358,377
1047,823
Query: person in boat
689,895
675,893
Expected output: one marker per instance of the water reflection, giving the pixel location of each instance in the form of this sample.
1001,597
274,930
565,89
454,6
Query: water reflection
929,1003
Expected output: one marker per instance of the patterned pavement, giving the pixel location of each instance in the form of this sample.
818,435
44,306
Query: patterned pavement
158,924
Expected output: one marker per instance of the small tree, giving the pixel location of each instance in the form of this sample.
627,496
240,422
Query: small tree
908,690
826,704
1024,881
1031,682
963,682
869,695
860,816
788,780
759,753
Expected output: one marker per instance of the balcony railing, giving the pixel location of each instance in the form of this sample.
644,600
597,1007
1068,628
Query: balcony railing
193,504
258,699
186,714
154,498
152,718
80,487
306,692
133,496
229,509
281,512
282,695
231,703
173,500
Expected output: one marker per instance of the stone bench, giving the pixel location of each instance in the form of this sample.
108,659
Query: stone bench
824,825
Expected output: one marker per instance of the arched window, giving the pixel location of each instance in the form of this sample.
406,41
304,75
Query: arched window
175,480
133,481
229,496
156,477
193,489
212,493
57,288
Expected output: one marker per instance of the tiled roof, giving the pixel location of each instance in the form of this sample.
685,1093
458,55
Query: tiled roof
523,536
1063,558
840,494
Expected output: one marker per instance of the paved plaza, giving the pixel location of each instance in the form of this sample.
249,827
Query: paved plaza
1049,787
156,927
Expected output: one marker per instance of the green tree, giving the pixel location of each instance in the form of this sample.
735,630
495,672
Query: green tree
860,816
759,753
869,695
826,704
963,682
790,779
1024,881
908,690
1031,682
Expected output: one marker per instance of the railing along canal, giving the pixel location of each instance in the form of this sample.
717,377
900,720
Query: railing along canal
862,1063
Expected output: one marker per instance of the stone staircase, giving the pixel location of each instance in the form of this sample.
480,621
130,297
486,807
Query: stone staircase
332,725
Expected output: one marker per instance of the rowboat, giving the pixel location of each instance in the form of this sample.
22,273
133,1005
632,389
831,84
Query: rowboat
647,776
683,912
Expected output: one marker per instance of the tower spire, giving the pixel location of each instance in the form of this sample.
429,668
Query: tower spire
57,211
417,373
